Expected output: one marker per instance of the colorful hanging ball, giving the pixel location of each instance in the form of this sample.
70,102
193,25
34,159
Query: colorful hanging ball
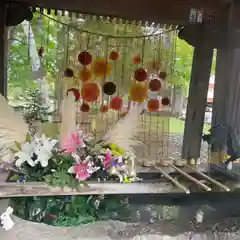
114,55
138,92
165,101
155,85
90,92
103,108
140,74
162,75
153,105
137,59
68,72
109,88
116,103
85,75
75,92
41,51
101,67
85,107
85,58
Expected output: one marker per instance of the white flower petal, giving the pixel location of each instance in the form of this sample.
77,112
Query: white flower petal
71,170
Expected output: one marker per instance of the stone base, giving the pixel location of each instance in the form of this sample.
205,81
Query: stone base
161,230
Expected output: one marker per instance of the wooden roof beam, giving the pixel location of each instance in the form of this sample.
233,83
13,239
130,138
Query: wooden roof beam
167,12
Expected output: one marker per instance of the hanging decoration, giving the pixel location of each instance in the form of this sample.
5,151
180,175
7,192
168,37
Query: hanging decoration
103,108
85,58
155,85
116,103
138,92
165,101
137,59
90,92
85,74
109,88
68,72
101,67
140,74
85,107
162,75
75,92
114,56
153,105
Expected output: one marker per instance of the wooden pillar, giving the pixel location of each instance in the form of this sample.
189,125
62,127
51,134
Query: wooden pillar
3,52
220,87
201,68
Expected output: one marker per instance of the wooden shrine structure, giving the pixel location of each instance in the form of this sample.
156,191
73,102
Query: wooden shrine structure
218,29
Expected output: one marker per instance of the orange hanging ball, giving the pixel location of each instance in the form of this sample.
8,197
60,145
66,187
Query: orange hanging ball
137,59
153,105
114,55
155,85
138,92
85,107
101,68
116,103
85,74
90,92
103,108
140,74
85,58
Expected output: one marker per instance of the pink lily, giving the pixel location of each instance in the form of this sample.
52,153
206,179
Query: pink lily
107,158
74,141
81,170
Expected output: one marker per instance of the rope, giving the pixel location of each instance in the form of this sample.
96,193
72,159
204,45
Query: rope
107,35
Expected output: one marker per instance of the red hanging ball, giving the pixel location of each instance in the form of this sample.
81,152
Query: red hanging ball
114,55
41,51
68,72
85,107
155,85
140,74
116,103
165,101
104,108
75,92
137,59
85,58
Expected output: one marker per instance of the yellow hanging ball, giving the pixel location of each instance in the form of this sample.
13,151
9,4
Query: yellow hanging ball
138,92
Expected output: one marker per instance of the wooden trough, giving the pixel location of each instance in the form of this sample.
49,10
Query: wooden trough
157,180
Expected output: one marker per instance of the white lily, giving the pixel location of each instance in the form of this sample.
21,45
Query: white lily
25,155
44,150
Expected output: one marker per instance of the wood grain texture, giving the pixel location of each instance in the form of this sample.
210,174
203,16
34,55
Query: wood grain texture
42,189
201,68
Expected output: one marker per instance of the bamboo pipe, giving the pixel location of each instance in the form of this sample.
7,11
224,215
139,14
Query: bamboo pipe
205,187
226,188
175,182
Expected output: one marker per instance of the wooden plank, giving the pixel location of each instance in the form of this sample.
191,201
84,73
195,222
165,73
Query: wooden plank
172,12
201,68
42,189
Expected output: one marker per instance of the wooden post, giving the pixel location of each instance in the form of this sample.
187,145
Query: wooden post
220,87
3,51
201,68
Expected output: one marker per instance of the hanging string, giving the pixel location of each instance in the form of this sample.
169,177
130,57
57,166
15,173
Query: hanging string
156,32
143,50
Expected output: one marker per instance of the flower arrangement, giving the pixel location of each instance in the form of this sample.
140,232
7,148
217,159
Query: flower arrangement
70,161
